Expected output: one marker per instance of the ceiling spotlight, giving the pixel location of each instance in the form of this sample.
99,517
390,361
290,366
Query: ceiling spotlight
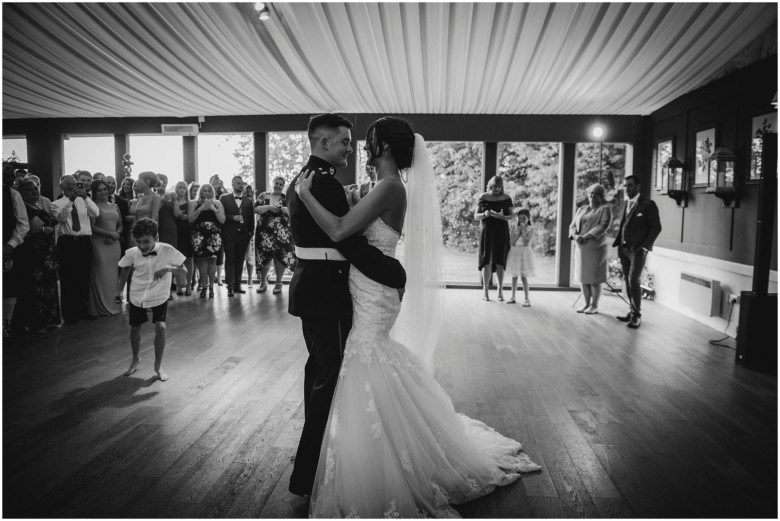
264,14
598,132
259,6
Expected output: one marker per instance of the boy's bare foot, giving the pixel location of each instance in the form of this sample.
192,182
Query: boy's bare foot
162,375
133,367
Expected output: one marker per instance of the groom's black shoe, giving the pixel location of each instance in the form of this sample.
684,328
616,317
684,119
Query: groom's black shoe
626,318
230,292
239,290
635,322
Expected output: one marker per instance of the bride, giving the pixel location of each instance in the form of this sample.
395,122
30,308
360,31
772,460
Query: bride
394,446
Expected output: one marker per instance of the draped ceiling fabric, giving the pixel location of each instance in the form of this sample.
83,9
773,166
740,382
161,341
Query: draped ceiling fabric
211,59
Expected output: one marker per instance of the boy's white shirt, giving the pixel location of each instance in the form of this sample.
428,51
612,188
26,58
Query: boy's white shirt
145,292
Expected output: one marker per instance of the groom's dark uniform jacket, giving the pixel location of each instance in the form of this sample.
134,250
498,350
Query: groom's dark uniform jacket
319,288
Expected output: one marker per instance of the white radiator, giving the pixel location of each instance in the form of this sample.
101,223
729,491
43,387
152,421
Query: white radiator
701,295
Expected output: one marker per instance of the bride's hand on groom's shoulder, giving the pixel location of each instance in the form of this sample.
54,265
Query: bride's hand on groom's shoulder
303,184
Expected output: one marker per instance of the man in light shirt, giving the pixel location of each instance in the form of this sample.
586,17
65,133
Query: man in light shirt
74,247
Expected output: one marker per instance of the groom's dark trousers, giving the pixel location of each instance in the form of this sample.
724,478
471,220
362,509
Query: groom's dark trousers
319,295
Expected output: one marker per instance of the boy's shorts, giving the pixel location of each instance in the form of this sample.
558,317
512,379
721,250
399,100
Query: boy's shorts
138,315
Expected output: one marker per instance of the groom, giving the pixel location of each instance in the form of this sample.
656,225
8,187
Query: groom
319,291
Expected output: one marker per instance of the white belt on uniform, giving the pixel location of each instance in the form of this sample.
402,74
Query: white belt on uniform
326,254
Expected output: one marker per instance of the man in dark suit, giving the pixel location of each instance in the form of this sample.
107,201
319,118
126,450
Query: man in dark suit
639,228
236,233
319,292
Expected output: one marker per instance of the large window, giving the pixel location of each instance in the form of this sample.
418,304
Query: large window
15,149
91,153
158,154
287,153
226,155
530,172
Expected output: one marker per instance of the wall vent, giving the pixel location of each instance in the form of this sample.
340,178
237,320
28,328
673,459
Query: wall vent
180,129
701,295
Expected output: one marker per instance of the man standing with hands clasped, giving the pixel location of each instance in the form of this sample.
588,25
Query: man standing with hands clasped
639,228
236,233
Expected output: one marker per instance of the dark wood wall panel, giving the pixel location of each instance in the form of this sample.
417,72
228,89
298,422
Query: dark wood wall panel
729,104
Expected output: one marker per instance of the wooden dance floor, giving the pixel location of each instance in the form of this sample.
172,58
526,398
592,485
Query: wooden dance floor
649,423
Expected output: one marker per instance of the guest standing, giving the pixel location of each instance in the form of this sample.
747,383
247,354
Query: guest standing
219,190
74,248
494,211
15,227
123,199
147,202
520,262
169,212
589,230
106,252
206,215
183,234
193,195
38,304
639,227
238,228
273,238
249,258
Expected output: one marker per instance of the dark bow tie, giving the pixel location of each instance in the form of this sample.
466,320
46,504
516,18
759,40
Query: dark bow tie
150,253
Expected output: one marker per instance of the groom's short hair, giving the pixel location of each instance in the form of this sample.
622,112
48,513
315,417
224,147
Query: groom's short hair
330,121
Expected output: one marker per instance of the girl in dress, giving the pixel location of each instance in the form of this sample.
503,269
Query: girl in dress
521,261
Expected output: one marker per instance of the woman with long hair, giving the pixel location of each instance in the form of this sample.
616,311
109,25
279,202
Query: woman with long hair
183,234
273,238
206,215
494,211
106,252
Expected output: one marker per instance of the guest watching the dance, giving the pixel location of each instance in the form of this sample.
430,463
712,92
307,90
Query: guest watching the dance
15,228
122,199
494,211
85,178
193,191
147,202
206,215
38,306
589,232
183,237
169,212
249,258
219,190
74,247
520,261
193,188
273,238
639,227
97,176
236,232
106,252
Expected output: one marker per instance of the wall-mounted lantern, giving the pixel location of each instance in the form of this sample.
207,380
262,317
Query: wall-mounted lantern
723,181
677,189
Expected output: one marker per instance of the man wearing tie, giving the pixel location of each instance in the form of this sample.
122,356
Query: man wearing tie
639,228
74,247
236,233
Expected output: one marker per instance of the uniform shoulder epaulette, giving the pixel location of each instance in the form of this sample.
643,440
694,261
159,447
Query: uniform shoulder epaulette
326,170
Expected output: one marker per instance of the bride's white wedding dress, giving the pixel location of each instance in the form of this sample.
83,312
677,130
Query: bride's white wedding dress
394,445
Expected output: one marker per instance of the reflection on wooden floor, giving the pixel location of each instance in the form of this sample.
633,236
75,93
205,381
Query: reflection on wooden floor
648,423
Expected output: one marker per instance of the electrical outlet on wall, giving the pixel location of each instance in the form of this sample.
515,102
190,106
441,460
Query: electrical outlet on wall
733,299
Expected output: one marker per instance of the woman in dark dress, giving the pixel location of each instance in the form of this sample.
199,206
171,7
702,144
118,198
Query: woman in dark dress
494,211
38,304
166,223
183,234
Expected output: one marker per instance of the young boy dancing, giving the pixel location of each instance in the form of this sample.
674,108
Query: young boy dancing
152,263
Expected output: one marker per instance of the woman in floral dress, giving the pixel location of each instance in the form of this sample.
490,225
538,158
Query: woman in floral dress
38,307
273,237
206,215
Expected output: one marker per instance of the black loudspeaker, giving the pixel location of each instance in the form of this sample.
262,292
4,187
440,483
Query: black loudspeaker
757,333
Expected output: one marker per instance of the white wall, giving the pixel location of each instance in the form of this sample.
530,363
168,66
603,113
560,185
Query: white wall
666,265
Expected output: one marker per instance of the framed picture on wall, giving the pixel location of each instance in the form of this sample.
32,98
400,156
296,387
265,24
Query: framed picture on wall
764,124
705,145
663,153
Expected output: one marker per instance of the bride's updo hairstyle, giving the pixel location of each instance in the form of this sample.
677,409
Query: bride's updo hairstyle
395,133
